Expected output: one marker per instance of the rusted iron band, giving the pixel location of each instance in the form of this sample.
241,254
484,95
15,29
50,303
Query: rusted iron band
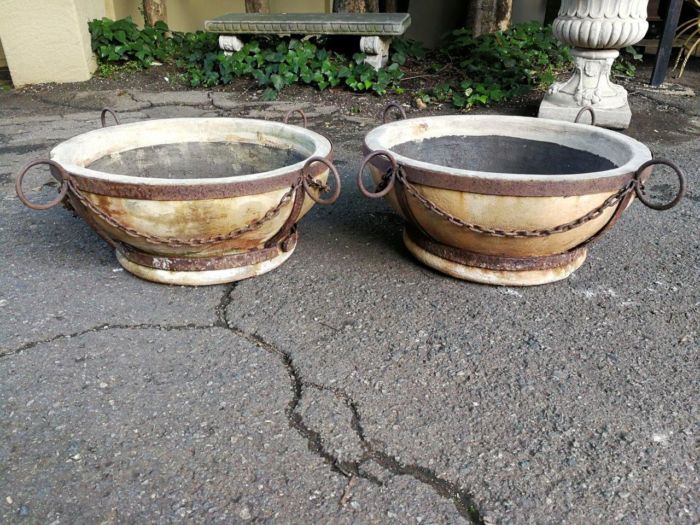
409,216
288,226
396,107
643,174
583,110
513,188
493,262
391,175
89,218
200,264
57,172
185,192
103,116
308,179
621,207
291,112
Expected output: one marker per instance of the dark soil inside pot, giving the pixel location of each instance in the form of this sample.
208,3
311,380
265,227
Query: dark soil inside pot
197,160
499,154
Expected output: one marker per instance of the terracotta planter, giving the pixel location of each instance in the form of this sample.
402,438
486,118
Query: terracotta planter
505,200
194,200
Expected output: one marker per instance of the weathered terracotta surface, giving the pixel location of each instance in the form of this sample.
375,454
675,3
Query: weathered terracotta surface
505,212
492,206
216,196
196,219
202,278
497,277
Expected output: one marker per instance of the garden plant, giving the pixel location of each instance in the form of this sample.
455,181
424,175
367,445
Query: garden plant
466,71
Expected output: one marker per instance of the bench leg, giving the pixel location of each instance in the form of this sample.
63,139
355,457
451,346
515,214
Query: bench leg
230,43
377,50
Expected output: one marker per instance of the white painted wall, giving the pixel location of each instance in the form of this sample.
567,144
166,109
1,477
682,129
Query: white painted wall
48,40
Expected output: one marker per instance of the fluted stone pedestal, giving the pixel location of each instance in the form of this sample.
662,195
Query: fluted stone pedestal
596,29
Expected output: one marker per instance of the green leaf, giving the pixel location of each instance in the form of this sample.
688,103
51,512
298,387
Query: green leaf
398,58
359,58
277,82
489,68
269,94
262,79
459,100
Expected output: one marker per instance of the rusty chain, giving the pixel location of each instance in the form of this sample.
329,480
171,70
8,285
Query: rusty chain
251,226
174,243
68,183
516,234
636,184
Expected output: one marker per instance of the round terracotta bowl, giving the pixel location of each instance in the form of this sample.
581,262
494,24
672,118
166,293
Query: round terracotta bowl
500,199
195,201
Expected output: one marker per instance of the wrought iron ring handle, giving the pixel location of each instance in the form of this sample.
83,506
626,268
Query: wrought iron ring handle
103,116
394,106
36,205
306,177
588,109
291,112
639,184
390,182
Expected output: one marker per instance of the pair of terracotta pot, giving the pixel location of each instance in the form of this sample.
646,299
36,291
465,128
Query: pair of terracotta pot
498,200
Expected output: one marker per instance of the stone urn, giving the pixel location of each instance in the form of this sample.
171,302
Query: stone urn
596,30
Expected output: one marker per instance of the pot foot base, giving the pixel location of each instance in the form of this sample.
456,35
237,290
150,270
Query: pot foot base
489,269
203,271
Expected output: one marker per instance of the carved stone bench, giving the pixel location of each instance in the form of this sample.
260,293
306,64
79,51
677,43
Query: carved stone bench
376,29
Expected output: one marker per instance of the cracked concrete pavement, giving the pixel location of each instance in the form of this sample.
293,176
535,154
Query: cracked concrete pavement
351,385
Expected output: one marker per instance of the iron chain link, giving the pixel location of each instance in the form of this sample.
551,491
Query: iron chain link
154,239
611,201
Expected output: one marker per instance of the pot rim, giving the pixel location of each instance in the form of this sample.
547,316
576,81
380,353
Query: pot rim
511,126
74,153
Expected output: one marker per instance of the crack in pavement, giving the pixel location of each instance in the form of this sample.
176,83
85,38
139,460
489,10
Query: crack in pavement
347,469
461,498
133,99
105,326
148,104
224,302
